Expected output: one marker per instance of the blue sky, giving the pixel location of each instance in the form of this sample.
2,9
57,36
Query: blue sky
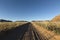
29,9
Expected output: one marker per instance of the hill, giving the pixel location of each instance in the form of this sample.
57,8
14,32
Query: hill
2,20
56,18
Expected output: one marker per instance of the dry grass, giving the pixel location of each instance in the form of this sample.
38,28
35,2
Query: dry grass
44,33
9,25
56,18
52,26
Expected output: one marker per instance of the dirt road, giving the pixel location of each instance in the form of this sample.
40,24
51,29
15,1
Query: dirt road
23,32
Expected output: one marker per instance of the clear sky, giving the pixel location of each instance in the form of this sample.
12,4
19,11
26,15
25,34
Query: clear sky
29,9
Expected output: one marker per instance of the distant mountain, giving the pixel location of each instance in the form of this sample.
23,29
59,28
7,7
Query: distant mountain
2,20
21,21
56,18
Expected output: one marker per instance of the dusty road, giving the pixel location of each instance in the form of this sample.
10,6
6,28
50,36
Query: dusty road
23,32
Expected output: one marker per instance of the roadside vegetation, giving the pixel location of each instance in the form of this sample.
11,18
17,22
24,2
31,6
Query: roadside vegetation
52,26
4,26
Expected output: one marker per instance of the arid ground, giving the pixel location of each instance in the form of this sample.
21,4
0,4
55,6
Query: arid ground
29,31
